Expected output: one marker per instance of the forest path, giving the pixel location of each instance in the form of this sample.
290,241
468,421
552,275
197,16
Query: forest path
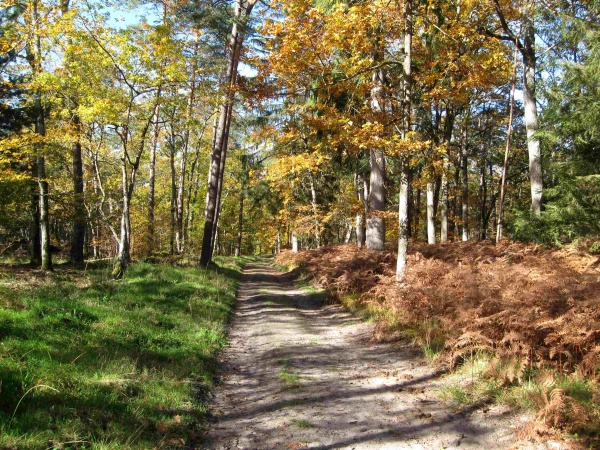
298,374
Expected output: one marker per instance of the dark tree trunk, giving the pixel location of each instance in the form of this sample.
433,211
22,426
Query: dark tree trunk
79,222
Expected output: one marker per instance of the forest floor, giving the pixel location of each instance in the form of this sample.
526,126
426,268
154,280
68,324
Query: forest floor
301,373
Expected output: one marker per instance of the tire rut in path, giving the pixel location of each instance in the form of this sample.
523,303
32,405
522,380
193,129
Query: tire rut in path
297,374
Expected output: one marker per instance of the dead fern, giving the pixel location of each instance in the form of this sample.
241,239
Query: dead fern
562,412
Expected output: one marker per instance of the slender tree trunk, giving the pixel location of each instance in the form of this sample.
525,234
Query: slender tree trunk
531,119
465,187
79,219
444,201
238,248
79,222
128,186
360,217
500,218
34,58
375,222
150,236
173,200
402,223
313,193
278,248
294,242
430,213
123,255
35,237
220,142
180,236
403,227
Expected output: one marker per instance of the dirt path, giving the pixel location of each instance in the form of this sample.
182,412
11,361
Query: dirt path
301,375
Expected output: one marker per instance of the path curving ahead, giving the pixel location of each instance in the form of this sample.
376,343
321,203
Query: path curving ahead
301,375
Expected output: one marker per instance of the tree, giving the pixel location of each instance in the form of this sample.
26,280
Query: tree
243,9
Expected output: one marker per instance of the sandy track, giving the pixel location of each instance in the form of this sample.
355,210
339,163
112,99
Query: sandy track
300,375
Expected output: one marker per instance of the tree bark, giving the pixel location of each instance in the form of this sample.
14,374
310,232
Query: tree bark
313,193
173,199
35,237
222,133
360,217
150,234
430,213
79,222
500,218
444,202
465,187
403,224
34,58
531,119
376,223
180,236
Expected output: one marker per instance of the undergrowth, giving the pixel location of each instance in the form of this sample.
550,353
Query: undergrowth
534,311
87,362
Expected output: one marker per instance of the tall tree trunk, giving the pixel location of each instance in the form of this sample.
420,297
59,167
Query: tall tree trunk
403,229
430,213
180,236
35,237
444,202
238,247
128,186
527,49
531,119
34,58
315,206
79,222
294,242
360,217
219,152
465,186
79,218
375,222
500,218
151,232
123,256
173,200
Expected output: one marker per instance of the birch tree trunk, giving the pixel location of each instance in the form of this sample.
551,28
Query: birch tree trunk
531,119
403,226
465,187
294,242
430,213
444,202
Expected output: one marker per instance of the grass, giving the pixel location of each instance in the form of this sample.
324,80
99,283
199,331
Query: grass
481,379
291,379
303,424
91,363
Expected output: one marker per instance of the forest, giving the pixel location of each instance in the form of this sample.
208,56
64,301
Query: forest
367,122
380,135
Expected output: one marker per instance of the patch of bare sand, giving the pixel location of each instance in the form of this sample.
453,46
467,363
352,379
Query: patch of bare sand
298,374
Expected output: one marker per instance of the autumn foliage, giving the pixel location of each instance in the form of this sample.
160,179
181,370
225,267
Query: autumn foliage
513,299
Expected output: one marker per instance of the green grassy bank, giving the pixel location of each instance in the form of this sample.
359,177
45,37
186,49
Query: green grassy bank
87,362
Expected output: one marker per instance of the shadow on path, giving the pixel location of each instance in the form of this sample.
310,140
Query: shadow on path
301,374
